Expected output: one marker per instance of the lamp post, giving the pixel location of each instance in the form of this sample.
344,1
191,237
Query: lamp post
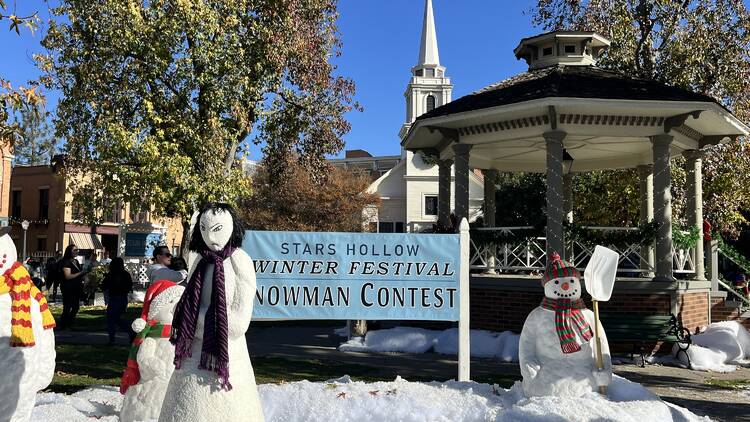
24,226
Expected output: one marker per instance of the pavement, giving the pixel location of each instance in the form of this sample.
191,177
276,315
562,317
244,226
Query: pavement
684,387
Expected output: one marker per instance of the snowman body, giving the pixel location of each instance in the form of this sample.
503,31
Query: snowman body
143,401
194,394
25,370
546,369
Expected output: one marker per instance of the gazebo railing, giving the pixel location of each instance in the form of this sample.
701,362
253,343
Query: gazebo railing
525,255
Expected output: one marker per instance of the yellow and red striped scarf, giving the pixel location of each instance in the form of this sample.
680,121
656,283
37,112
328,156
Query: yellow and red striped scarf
17,282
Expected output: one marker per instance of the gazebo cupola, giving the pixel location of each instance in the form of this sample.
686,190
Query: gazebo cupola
569,48
567,109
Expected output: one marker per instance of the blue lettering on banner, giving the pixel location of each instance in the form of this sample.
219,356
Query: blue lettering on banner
302,275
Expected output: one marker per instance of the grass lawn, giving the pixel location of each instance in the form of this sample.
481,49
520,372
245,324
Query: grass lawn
82,365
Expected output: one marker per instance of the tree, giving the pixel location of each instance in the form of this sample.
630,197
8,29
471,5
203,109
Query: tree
34,144
299,200
19,98
702,45
160,98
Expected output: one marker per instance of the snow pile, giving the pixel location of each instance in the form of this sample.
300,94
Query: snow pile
345,400
720,348
486,344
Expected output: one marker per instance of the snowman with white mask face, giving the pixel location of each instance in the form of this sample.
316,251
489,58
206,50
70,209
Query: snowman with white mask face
213,378
557,351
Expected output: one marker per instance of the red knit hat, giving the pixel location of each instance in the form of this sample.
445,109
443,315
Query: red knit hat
557,268
154,290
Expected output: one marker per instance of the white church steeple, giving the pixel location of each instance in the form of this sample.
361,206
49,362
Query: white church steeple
428,88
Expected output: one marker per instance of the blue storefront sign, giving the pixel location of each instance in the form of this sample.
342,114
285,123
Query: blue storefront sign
141,244
355,275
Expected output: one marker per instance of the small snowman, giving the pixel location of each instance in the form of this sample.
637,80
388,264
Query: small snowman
557,348
150,363
27,338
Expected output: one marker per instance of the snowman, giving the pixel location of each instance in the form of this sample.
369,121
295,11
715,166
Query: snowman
150,363
213,378
27,340
557,347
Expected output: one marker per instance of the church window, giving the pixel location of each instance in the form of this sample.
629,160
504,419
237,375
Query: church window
419,72
430,73
570,48
430,205
385,227
547,51
430,102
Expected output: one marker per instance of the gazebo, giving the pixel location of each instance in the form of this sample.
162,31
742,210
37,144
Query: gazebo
567,115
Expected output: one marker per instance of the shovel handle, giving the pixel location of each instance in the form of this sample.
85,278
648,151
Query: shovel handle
599,359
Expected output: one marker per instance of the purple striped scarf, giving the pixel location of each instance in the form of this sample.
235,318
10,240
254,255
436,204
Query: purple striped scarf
214,351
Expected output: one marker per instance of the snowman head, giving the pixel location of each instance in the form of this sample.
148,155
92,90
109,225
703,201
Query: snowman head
218,226
8,253
561,280
159,304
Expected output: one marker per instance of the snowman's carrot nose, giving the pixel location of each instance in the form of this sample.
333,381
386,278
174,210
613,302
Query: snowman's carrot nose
565,286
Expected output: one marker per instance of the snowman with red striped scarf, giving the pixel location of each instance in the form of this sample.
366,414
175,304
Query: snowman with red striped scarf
557,351
150,362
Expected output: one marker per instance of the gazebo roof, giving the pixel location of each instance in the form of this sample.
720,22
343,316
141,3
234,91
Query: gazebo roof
566,81
606,118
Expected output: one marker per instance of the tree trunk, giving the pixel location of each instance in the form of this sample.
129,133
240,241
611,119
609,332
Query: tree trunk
357,328
185,239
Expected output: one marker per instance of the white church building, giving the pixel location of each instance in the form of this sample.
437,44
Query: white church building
408,184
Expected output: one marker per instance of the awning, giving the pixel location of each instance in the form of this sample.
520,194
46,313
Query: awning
85,241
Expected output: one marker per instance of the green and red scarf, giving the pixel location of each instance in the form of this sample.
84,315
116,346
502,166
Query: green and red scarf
567,310
132,374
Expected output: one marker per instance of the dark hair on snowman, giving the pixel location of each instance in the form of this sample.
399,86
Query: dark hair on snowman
197,244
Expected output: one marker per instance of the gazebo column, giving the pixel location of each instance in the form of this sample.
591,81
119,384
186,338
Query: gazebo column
490,178
444,193
646,178
663,206
461,152
694,173
568,196
555,210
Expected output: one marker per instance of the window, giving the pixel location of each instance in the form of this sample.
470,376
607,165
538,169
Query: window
431,205
16,204
41,244
400,227
385,227
430,102
430,73
570,48
419,72
77,209
547,51
43,204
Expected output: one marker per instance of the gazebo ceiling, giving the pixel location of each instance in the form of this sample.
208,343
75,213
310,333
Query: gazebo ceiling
608,118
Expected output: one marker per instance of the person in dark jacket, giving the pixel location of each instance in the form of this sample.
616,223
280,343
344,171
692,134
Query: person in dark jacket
71,286
117,284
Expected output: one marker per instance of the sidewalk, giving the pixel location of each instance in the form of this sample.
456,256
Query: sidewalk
691,389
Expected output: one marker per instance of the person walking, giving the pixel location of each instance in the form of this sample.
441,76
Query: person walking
71,286
54,276
117,284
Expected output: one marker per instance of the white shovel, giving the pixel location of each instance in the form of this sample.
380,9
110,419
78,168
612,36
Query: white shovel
599,280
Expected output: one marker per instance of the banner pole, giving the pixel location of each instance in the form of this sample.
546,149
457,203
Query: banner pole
464,348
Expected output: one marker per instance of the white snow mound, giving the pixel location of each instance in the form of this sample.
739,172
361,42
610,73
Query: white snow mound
400,400
720,348
486,344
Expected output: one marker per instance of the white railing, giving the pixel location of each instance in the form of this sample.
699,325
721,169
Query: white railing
137,270
528,254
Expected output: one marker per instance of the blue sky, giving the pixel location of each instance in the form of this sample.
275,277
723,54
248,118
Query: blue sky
380,45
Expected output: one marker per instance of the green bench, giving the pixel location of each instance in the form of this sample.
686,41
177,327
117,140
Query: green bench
640,329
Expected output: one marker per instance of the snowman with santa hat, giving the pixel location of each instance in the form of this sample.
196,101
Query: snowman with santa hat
150,362
557,349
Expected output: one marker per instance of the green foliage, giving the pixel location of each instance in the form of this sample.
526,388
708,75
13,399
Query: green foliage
645,235
497,237
608,198
34,144
521,200
94,279
701,45
685,237
160,99
731,253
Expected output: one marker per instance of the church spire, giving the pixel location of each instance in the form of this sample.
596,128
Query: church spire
428,49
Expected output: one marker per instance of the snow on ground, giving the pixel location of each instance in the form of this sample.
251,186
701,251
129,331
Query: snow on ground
720,348
401,400
485,344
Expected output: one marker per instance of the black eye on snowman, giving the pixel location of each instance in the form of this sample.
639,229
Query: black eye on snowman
572,281
217,228
557,282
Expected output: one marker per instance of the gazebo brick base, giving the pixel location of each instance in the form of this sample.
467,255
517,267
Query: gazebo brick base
500,303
